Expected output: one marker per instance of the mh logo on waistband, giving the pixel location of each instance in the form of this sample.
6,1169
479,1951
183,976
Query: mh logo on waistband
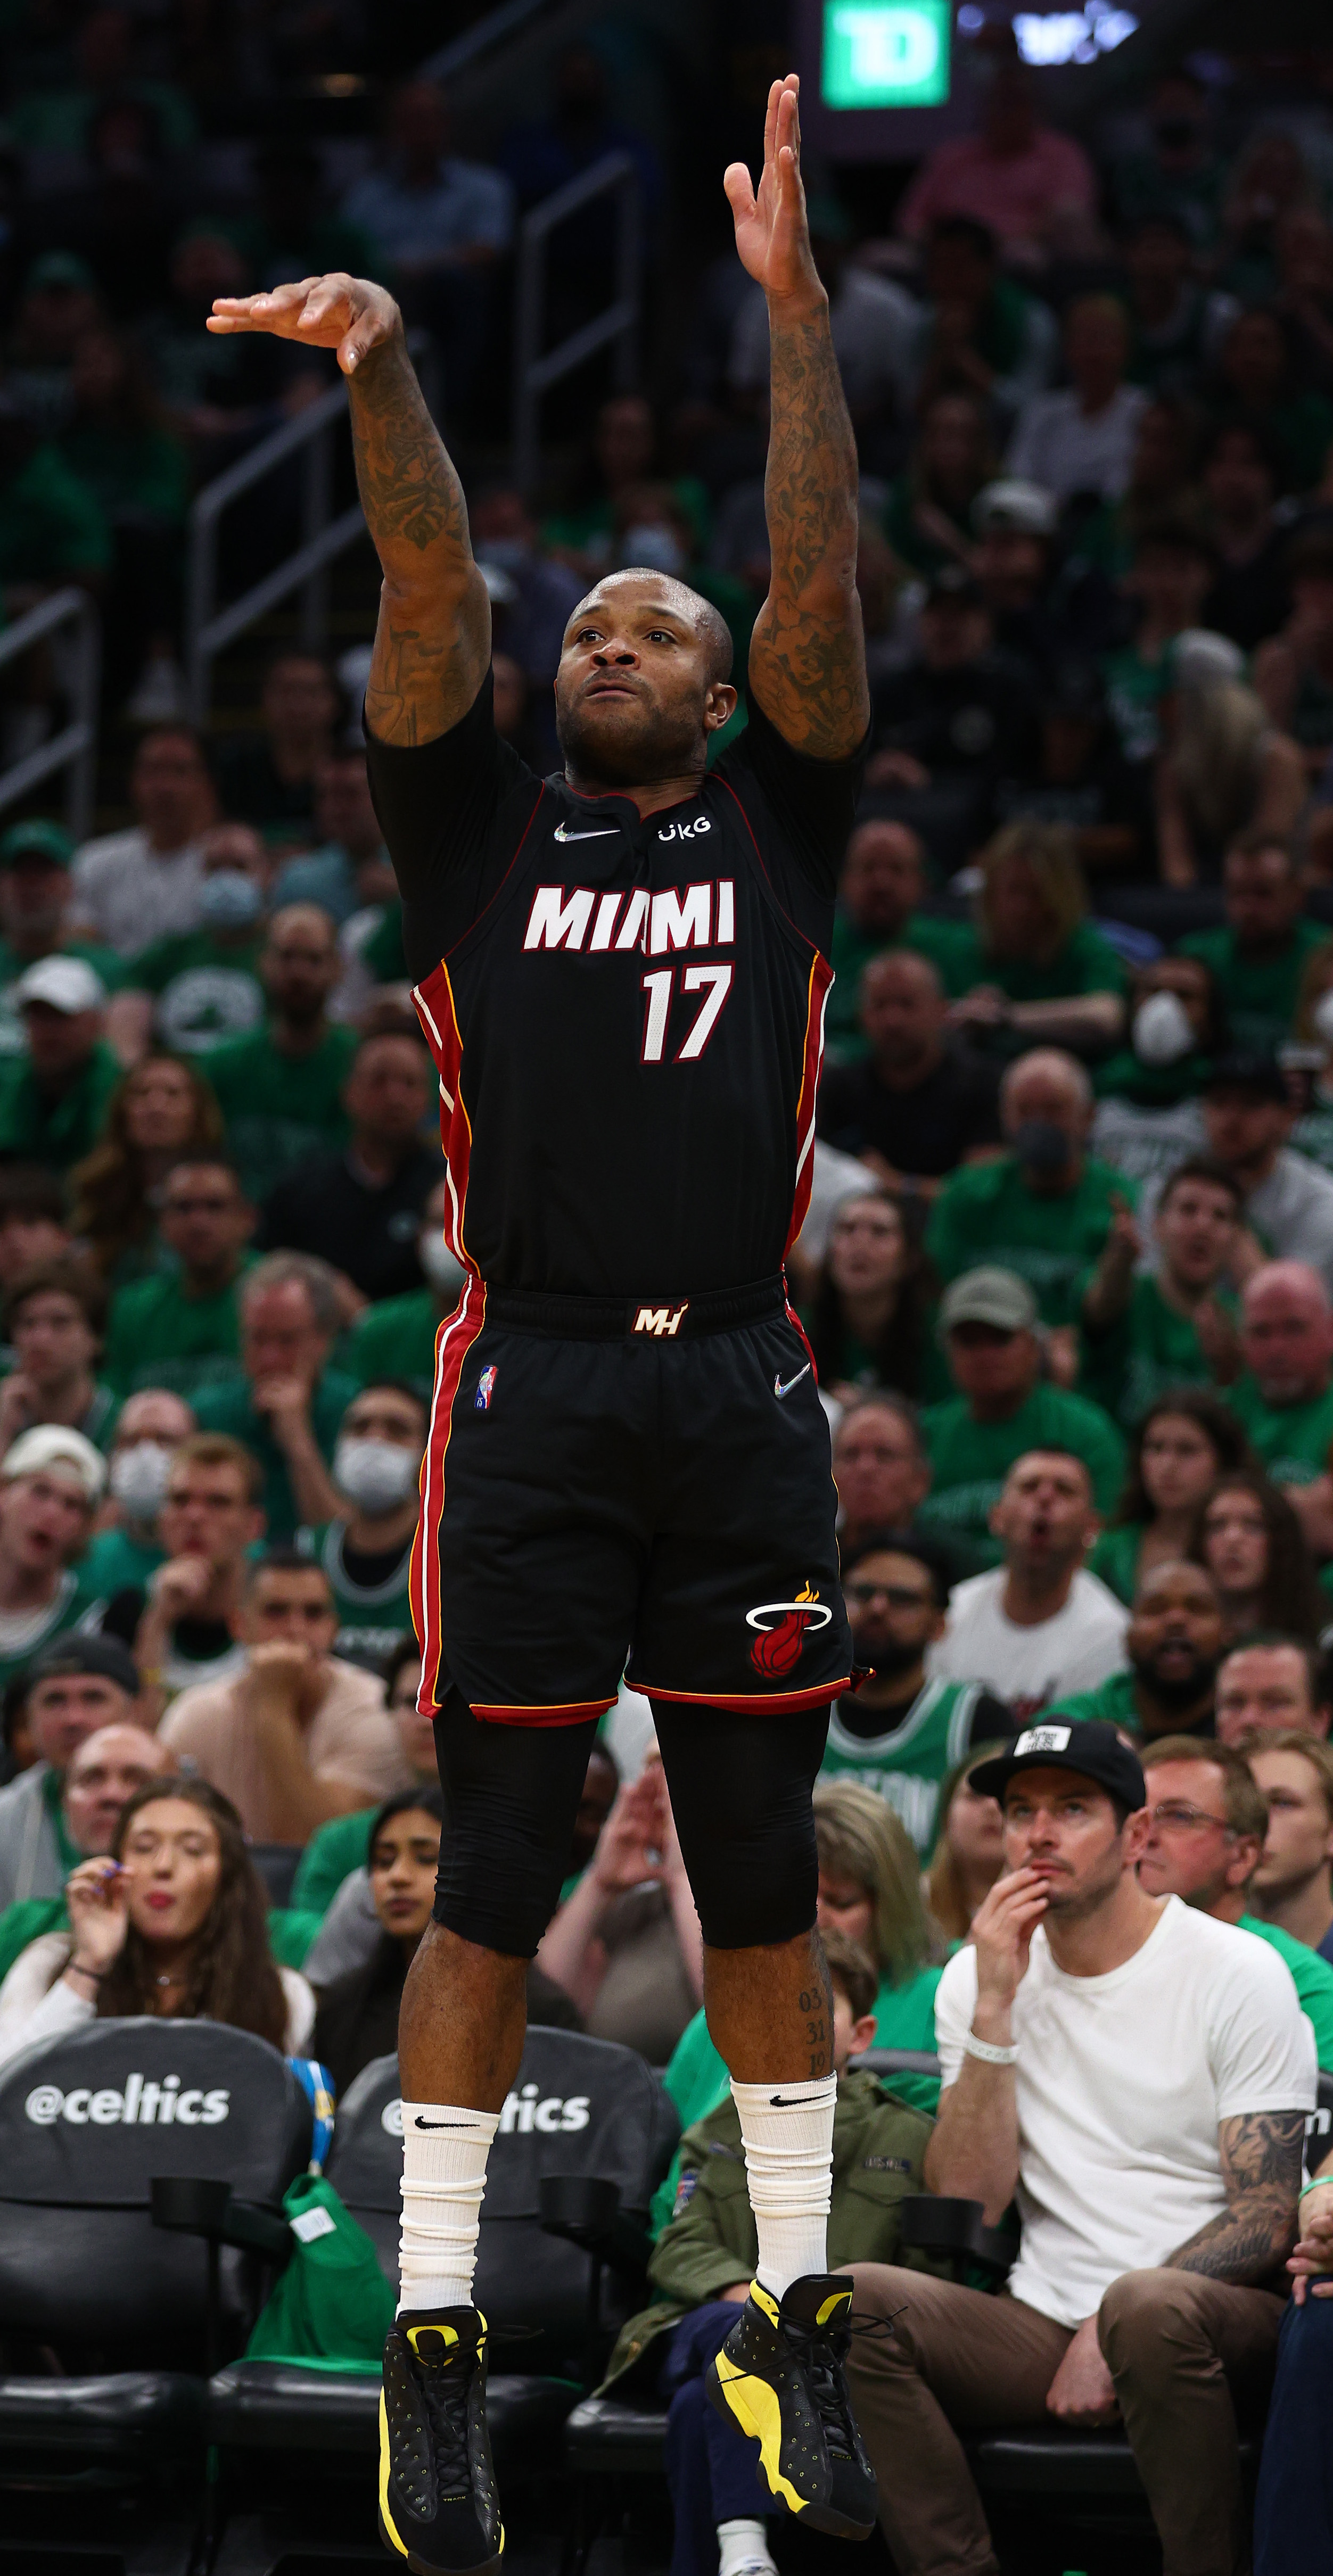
660,1319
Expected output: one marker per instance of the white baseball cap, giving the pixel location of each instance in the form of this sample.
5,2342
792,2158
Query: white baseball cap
49,1444
64,983
1015,503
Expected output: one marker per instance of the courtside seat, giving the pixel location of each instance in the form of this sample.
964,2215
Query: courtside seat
616,2437
580,2109
108,2326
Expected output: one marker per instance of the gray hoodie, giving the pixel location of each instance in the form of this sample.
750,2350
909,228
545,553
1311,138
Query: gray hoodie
30,1863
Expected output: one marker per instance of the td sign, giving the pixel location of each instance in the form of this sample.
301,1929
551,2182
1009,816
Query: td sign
885,53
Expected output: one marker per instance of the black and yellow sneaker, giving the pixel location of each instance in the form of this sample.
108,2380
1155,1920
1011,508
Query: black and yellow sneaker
779,2378
438,2505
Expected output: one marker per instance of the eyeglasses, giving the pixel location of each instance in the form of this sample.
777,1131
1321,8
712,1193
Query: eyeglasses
896,1595
1175,1813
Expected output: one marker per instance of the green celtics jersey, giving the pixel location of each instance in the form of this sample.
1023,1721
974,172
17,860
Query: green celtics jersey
907,1764
1153,1347
1293,1440
970,1460
988,1213
372,1617
157,1335
23,1633
1115,1558
206,989
280,1110
396,1338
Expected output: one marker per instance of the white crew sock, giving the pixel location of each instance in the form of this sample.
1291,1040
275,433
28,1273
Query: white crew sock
742,2544
444,2176
788,2134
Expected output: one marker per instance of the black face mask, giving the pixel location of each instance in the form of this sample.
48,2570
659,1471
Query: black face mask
1175,133
1041,1146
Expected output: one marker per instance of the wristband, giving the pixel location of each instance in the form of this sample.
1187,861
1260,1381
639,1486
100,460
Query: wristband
1322,2182
93,1975
989,2056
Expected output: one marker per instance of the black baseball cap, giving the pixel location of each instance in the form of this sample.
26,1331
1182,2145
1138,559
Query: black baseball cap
1253,1069
1086,1745
74,1654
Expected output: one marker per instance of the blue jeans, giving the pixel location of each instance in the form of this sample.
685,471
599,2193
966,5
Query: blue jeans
1293,2510
710,2467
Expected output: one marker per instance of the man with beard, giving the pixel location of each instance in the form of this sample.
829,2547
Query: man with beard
1174,1642
900,1733
1207,1825
281,1089
1138,2075
621,974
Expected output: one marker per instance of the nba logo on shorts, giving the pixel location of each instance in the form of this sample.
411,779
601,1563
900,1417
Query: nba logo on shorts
485,1389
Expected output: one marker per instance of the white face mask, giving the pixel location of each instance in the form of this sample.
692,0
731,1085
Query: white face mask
444,1273
1161,1031
374,1474
1323,1017
139,1478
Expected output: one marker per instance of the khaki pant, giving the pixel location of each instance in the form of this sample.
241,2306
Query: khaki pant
1188,2355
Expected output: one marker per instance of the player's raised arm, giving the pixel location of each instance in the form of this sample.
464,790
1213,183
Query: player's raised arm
807,654
433,640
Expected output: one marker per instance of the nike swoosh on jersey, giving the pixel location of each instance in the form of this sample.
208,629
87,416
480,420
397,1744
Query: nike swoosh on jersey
780,1390
606,833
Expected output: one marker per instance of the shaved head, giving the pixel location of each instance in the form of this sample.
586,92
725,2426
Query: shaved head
708,622
642,682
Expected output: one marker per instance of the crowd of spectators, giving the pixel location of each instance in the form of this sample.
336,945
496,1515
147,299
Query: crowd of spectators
1067,1275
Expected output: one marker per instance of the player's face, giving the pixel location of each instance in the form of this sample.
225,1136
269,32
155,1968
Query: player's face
634,700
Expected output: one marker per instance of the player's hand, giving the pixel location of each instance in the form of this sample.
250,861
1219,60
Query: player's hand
1002,1930
349,314
97,1895
772,234
1083,2391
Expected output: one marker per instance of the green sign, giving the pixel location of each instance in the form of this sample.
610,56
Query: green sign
886,53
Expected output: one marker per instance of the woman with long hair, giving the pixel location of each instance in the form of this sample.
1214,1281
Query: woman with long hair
869,1316
1185,1441
164,1108
1225,775
1039,971
173,1924
1249,1538
869,1890
358,2013
969,1847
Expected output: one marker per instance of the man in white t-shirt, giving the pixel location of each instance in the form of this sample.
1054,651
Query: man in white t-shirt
1137,2076
144,884
1039,1626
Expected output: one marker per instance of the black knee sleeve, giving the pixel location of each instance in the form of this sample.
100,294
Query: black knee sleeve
740,1794
512,1795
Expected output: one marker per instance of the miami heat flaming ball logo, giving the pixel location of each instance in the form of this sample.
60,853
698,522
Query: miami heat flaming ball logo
782,1626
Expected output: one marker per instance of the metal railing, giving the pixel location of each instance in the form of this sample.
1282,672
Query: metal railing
536,371
209,629
494,29
74,748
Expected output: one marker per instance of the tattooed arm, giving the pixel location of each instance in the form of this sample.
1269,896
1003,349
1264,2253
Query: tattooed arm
433,640
1261,2168
807,653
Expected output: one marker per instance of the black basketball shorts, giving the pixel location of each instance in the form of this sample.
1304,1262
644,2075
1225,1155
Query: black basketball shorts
607,1480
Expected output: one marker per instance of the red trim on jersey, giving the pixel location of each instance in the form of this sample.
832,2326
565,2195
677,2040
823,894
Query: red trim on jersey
821,976
452,1343
574,1712
742,1703
434,1002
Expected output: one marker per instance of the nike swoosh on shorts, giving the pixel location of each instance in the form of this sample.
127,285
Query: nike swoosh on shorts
607,833
780,1390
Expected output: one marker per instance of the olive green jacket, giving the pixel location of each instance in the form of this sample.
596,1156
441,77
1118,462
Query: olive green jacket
709,2240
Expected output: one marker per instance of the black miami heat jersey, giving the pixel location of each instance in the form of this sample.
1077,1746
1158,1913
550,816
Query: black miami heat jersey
626,1014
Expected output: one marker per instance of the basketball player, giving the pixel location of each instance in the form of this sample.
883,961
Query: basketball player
621,974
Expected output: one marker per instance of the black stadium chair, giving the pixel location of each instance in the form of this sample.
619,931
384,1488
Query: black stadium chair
277,1864
106,2323
585,2138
